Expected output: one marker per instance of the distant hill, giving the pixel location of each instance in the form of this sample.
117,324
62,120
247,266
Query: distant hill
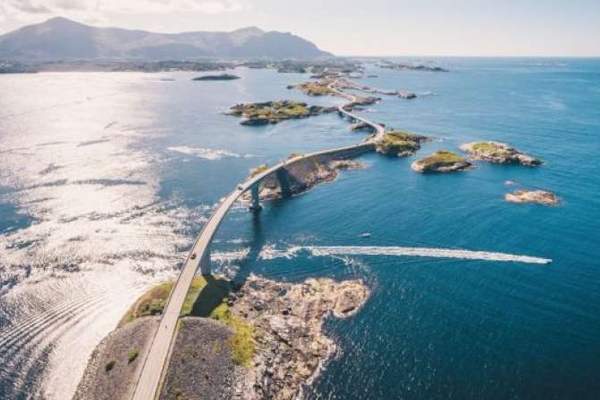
63,39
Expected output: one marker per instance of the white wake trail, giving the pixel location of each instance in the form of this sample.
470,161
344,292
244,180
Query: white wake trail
423,252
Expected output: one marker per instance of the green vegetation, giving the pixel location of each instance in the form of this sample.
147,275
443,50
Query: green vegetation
153,301
400,143
109,366
492,149
242,342
132,355
272,112
442,161
315,88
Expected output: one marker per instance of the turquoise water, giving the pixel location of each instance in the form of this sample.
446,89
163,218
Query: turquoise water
105,179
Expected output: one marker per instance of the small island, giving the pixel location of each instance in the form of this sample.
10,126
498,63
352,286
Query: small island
441,161
499,153
410,67
532,196
273,112
399,143
320,88
220,77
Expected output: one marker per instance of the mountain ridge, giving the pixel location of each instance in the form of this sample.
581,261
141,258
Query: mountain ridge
63,39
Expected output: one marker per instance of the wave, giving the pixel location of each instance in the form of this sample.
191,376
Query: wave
269,252
202,152
424,252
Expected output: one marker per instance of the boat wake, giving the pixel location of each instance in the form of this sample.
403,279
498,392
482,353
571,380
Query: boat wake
423,252
270,253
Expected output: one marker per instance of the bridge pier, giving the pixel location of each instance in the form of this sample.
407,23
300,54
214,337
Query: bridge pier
255,206
284,182
205,263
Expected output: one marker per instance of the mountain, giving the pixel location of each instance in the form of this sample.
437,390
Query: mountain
64,39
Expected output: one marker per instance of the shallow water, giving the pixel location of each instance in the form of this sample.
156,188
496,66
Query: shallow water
105,179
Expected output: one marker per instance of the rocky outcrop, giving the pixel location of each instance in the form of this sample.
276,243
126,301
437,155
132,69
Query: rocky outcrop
532,196
400,144
441,161
500,153
291,346
272,112
301,176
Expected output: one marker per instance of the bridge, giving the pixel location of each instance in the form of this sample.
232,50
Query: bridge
154,366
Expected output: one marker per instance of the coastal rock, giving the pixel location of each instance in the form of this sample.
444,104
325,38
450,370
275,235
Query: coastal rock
291,345
441,161
500,153
399,143
532,196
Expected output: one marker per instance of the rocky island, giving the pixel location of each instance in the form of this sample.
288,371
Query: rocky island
532,196
273,112
220,77
500,153
410,67
399,143
319,88
301,176
441,161
258,340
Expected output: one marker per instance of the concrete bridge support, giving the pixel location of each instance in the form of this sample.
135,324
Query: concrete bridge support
205,263
255,206
284,182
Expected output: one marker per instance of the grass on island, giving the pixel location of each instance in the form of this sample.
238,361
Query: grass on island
207,297
441,158
242,342
397,142
132,355
490,149
272,110
154,300
315,88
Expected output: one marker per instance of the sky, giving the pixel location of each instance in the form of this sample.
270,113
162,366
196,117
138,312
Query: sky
354,27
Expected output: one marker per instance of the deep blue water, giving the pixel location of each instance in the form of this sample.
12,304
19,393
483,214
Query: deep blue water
433,328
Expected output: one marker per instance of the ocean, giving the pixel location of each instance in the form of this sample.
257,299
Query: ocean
106,179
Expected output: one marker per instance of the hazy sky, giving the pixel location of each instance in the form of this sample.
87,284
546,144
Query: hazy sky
354,27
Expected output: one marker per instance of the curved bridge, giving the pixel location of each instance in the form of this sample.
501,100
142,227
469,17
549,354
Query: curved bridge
149,382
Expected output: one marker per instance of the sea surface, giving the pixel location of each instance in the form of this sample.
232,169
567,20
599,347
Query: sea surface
106,178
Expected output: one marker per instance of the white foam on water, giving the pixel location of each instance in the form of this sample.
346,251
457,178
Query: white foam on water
202,152
269,252
423,252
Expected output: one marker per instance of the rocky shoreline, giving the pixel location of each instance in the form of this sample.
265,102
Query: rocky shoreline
499,153
291,346
532,196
